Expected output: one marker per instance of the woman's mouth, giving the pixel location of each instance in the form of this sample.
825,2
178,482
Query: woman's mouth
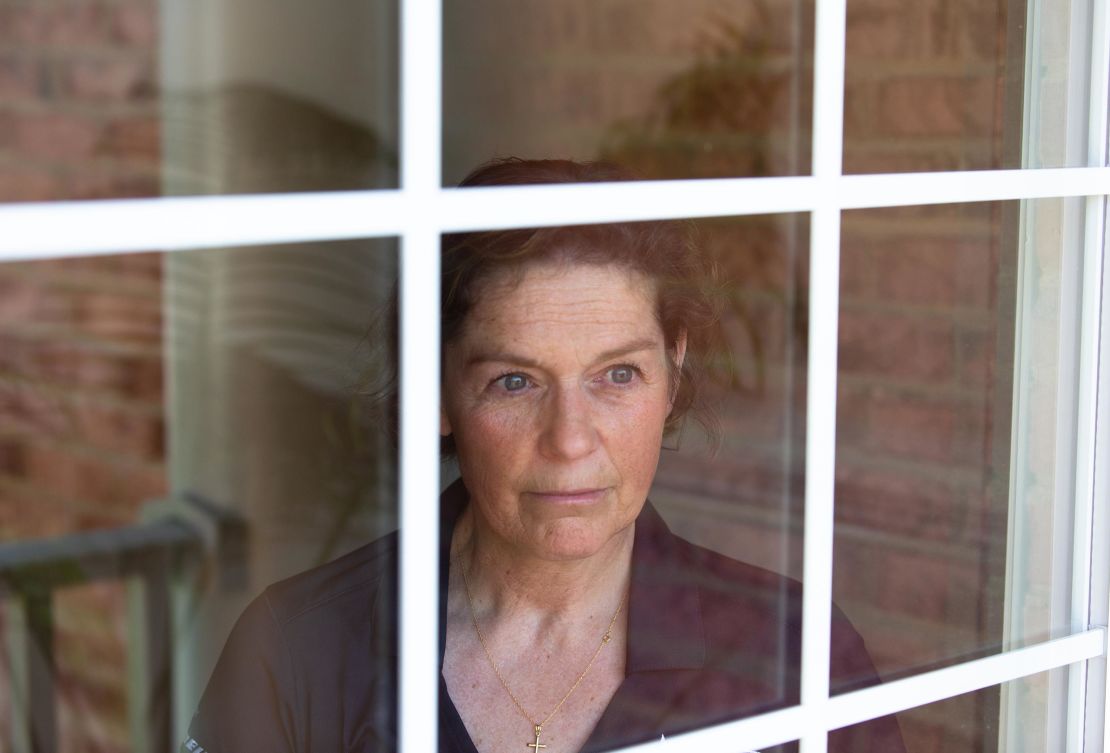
569,496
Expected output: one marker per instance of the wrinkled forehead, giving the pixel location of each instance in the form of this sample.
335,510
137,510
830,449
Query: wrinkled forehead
556,299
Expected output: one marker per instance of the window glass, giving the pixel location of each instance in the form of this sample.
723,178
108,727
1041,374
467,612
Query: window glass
744,497
985,721
82,448
953,534
139,98
530,404
248,393
281,405
701,89
237,392
81,393
968,85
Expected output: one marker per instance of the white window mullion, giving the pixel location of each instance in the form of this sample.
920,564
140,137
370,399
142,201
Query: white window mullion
1098,684
1093,491
1093,477
1084,579
824,298
419,510
911,692
418,671
859,706
50,230
820,459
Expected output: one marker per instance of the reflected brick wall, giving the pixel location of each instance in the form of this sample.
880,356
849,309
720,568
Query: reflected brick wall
81,383
78,99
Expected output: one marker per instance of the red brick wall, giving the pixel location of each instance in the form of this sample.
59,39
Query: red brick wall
78,99
81,383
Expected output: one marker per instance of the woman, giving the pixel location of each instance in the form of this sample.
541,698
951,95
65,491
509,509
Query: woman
572,618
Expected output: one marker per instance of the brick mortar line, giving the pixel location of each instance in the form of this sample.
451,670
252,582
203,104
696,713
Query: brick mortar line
722,507
976,319
73,4
594,132
91,108
70,394
775,139
965,550
88,166
860,69
677,63
67,504
900,622
62,166
869,144
56,278
955,477
67,335
106,109
951,392
56,54
88,452
869,224
954,393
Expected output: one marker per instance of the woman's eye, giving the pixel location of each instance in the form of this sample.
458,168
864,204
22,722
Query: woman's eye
514,382
622,374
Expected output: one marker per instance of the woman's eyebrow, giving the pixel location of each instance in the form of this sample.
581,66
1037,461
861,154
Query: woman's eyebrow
635,346
501,357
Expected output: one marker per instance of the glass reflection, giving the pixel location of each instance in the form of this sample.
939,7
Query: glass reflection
137,98
1022,716
705,89
957,332
972,85
176,433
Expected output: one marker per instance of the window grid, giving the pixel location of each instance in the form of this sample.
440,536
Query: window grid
58,229
859,706
420,210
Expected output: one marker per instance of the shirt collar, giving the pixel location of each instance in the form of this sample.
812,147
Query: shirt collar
664,608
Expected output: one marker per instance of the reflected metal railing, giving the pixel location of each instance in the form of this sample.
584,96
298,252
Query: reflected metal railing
149,557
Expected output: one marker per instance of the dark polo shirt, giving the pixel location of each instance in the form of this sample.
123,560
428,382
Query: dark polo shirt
311,664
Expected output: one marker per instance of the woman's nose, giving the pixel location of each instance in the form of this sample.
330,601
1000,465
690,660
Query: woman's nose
569,431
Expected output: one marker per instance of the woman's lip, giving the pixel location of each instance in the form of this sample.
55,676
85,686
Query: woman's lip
570,495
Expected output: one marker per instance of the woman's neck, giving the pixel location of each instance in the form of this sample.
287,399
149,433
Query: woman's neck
510,583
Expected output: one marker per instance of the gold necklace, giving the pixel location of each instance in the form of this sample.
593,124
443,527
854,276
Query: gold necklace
537,726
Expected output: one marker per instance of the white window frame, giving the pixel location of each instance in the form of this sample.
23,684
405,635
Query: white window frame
420,210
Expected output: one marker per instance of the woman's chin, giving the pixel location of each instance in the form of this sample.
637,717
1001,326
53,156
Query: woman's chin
570,539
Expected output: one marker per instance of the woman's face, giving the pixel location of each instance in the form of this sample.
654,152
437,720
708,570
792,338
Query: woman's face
556,392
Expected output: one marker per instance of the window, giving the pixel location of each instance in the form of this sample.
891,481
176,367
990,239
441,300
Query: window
983,246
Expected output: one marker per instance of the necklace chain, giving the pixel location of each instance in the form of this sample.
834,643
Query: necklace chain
489,656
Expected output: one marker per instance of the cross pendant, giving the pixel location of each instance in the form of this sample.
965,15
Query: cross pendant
536,745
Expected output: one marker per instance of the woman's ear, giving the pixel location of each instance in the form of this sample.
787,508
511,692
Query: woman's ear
678,357
679,350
